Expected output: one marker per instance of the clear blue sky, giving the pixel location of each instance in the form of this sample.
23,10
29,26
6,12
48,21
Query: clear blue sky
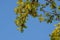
35,30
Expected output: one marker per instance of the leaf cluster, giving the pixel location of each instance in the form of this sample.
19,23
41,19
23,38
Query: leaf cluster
30,7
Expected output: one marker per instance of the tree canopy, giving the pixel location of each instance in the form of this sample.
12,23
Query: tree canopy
30,7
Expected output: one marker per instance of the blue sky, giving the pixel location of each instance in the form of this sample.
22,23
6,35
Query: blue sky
35,30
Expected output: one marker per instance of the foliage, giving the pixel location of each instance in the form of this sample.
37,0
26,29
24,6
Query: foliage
56,33
30,7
